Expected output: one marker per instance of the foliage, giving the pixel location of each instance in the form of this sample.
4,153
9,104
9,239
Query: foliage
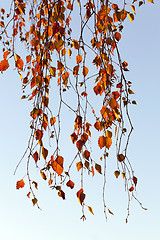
57,51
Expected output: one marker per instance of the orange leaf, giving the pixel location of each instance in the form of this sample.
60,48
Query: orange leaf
90,209
70,184
110,69
79,165
76,70
102,141
19,62
4,65
20,184
52,121
38,134
117,36
73,137
92,170
57,165
79,58
112,103
85,71
28,58
108,142
5,54
86,154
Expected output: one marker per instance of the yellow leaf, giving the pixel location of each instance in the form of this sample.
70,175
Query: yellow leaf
151,1
53,71
90,209
133,8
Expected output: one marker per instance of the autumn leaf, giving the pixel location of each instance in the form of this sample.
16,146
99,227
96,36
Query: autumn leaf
98,168
85,71
79,58
108,142
120,157
75,44
86,154
38,134
74,137
4,65
61,194
80,144
57,165
81,196
86,164
34,201
44,152
102,141
79,165
131,189
117,36
52,121
35,156
133,8
131,16
43,175
117,173
92,170
151,1
70,184
90,209
110,212
19,62
135,180
53,71
20,184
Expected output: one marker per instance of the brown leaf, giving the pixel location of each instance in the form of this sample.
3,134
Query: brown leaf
70,184
34,201
120,157
44,152
80,144
98,168
81,196
85,71
61,194
86,154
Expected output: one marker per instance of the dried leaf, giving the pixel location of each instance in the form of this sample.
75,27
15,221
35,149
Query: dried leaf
120,157
85,71
34,201
70,184
20,184
44,152
98,168
90,209
57,165
79,165
86,154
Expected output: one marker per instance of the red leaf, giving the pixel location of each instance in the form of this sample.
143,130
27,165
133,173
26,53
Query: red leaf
35,156
135,180
131,189
80,144
20,184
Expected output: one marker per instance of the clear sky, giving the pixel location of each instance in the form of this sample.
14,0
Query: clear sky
61,219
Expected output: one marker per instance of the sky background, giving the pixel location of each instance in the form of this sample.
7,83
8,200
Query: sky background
61,219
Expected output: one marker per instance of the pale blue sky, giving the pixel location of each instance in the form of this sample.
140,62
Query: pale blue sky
61,219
